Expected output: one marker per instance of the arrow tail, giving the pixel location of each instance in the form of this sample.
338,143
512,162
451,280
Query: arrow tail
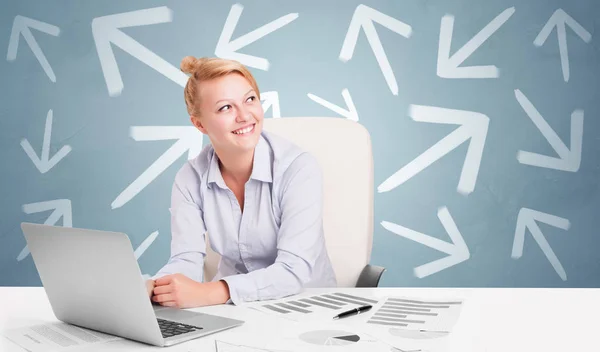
262,31
141,249
548,252
437,266
37,51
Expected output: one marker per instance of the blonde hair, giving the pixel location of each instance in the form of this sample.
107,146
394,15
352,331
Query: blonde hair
204,69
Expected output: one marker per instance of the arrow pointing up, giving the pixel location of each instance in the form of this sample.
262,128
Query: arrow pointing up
364,17
227,48
188,139
271,99
457,251
349,113
61,207
560,19
474,126
528,219
22,25
568,160
106,32
45,163
448,66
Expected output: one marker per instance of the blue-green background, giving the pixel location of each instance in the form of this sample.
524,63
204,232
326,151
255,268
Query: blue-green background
304,59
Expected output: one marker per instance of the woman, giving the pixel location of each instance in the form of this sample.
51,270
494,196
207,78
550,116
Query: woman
258,196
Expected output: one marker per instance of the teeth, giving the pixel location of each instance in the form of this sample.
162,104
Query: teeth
245,130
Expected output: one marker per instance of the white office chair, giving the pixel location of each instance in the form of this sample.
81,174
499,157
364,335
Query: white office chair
343,149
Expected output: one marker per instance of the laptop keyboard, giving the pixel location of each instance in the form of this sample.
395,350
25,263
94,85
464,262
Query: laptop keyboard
170,328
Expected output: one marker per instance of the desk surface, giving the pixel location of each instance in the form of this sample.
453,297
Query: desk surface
492,319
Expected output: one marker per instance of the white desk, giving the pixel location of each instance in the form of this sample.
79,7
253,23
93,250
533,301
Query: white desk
491,319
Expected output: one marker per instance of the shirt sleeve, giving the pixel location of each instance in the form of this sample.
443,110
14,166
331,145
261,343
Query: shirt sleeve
299,241
188,231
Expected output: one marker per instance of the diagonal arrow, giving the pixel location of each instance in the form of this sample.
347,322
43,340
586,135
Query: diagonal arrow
188,139
350,113
448,66
568,160
364,17
106,31
145,244
22,25
271,99
44,163
227,48
528,219
61,207
474,126
560,19
457,251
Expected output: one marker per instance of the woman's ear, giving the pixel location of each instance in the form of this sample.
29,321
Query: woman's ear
196,122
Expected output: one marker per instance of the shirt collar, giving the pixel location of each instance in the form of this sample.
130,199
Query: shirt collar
261,165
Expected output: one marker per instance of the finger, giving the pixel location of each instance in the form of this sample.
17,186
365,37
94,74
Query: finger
169,304
158,290
165,280
163,298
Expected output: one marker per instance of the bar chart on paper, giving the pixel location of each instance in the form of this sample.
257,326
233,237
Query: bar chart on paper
317,307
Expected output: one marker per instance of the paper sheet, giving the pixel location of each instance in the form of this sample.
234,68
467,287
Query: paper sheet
316,308
56,336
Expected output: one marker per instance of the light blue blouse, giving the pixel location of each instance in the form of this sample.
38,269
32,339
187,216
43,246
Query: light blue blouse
272,249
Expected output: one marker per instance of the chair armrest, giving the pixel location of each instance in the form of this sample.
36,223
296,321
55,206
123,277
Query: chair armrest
370,275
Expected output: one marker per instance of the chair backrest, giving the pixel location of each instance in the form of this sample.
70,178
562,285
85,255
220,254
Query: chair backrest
343,149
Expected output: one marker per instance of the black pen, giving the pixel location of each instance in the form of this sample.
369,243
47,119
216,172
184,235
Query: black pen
354,311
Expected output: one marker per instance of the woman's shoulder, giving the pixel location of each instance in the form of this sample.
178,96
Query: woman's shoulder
288,157
195,169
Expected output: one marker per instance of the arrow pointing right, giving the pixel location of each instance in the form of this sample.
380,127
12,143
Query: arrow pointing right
527,219
350,113
457,251
568,160
61,207
474,126
188,139
560,19
22,25
106,32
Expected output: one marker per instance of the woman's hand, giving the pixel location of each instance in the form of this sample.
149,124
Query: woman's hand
179,291
150,287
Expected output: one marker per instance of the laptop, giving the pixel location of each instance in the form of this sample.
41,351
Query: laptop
93,280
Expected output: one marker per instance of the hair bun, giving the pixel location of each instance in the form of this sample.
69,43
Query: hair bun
188,64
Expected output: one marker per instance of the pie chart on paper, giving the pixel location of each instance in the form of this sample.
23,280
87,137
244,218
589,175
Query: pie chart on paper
329,337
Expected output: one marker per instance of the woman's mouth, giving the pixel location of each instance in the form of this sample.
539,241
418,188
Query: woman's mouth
244,130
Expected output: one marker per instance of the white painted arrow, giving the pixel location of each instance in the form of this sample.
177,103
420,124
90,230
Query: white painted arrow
568,160
457,251
528,219
44,163
145,244
364,17
61,207
448,66
271,99
106,31
227,48
22,25
560,19
350,113
474,126
188,139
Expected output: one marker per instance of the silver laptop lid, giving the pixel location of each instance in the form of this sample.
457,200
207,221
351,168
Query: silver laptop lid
92,280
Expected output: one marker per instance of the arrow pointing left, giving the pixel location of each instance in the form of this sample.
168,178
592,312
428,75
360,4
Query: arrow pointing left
61,207
44,163
457,251
189,139
106,31
22,25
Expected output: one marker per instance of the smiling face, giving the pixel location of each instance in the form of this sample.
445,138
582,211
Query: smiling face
230,113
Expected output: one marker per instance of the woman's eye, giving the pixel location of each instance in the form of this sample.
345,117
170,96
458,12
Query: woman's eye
225,106
252,97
